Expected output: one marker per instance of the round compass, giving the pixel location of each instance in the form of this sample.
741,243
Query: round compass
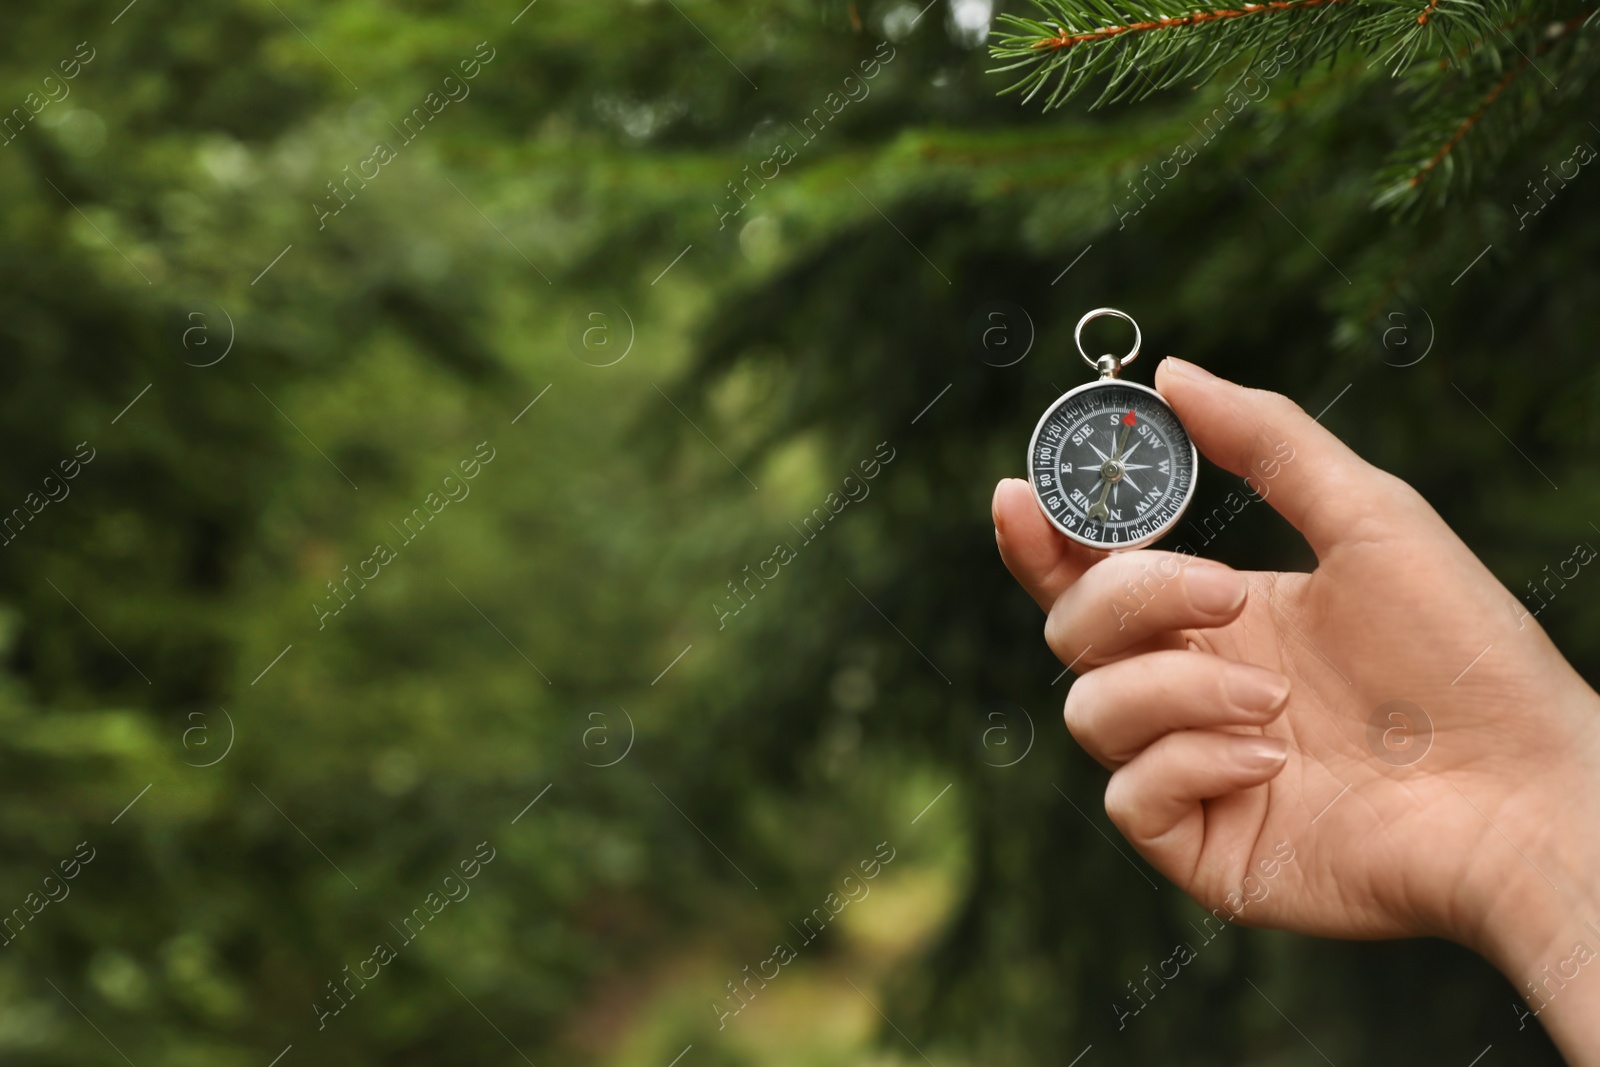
1111,464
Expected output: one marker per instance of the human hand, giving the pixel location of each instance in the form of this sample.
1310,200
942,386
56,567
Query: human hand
1233,708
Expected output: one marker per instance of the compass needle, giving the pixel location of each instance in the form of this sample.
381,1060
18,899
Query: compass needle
1099,510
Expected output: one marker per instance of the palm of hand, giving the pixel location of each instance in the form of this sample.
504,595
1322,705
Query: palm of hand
1394,741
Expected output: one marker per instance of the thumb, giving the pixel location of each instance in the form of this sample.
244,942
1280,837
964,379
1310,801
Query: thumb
1308,475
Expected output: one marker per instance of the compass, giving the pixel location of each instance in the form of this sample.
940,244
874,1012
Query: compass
1110,462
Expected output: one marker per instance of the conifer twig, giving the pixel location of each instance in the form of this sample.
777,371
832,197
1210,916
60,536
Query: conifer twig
1066,40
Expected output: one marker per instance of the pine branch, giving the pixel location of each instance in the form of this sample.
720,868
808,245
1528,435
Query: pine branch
1067,40
1138,50
1142,46
1467,124
1475,101
1474,121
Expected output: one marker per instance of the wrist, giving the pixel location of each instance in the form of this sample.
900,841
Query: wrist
1538,906
1546,942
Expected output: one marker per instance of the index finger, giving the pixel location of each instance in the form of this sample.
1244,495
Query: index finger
1038,556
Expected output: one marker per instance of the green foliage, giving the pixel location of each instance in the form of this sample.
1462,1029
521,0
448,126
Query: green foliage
1457,64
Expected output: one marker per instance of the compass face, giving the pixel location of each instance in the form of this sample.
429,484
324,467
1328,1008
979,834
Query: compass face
1111,465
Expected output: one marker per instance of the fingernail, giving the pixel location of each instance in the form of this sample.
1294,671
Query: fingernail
1255,691
1184,369
1214,589
1260,753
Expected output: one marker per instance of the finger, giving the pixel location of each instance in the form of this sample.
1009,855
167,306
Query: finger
1116,711
1123,602
1155,799
1312,478
1037,554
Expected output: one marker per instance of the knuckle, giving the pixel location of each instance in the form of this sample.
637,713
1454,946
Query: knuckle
1121,803
1076,711
1398,490
1052,629
1061,629
1279,405
1372,503
1217,682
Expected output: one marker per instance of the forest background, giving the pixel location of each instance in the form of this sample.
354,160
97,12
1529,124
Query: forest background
434,376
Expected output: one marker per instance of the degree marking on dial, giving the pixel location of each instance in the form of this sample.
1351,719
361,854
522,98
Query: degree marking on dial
1075,426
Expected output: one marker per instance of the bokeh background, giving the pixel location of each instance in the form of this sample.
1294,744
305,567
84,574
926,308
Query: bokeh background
268,391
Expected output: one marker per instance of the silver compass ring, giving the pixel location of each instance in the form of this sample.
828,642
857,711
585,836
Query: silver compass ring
1077,335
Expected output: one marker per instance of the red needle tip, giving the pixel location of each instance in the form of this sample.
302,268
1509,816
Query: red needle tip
1128,419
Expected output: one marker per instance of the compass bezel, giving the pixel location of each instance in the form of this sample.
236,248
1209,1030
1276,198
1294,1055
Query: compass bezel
1154,535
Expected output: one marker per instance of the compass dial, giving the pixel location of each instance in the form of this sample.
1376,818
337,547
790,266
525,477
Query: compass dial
1111,465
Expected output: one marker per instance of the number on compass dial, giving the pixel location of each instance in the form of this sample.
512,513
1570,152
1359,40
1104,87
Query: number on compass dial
1112,466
